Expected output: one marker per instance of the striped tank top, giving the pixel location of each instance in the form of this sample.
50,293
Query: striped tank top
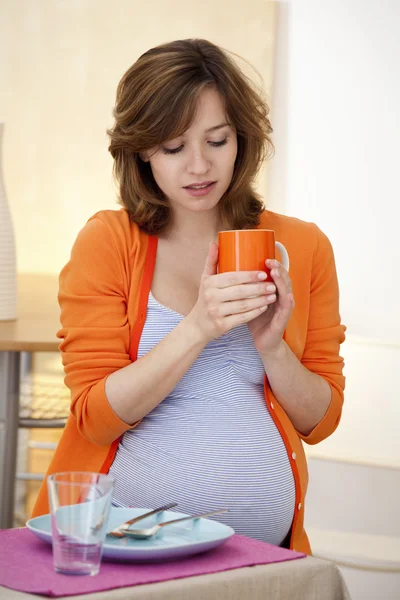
212,442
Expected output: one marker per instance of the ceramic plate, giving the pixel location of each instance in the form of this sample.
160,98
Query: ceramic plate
175,541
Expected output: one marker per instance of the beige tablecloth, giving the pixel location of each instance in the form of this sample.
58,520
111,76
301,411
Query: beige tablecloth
303,579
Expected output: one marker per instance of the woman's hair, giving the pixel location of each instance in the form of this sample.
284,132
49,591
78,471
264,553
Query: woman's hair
157,101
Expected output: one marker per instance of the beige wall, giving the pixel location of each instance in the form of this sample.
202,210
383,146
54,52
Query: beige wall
334,166
61,62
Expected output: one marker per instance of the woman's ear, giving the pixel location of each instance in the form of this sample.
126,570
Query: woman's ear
144,156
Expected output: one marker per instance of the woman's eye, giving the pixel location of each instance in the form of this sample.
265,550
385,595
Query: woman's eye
218,144
172,150
180,148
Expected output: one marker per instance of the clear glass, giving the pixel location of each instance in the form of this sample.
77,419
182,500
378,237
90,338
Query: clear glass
80,503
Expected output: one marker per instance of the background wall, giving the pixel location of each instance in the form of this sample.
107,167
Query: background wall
61,63
336,93
335,113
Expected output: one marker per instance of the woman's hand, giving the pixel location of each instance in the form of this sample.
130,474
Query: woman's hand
227,300
267,329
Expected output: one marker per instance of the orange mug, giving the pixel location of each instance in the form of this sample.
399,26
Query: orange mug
248,249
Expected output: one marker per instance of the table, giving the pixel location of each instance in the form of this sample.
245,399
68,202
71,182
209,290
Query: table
304,579
34,330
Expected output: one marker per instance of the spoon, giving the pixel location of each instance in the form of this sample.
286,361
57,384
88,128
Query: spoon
118,532
144,534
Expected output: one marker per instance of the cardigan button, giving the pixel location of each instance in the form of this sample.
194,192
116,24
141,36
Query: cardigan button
294,455
299,506
272,405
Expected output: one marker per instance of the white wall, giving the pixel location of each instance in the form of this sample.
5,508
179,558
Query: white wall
337,128
337,125
59,68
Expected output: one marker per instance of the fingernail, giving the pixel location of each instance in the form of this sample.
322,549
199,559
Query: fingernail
262,276
275,273
270,288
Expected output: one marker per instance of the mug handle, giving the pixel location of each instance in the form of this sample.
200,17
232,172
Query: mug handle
284,255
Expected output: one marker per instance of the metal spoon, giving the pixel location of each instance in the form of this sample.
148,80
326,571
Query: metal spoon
144,534
119,531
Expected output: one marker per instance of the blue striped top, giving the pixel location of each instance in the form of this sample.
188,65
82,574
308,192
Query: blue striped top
212,442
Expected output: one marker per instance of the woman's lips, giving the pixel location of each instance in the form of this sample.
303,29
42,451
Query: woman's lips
200,191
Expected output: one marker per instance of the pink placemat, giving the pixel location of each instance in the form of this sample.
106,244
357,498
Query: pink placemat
26,565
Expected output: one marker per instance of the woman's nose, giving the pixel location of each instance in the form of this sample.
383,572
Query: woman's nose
198,162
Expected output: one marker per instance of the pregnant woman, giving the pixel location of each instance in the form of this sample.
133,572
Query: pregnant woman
190,385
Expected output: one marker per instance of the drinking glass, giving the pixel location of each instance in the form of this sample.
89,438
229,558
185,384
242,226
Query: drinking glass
79,507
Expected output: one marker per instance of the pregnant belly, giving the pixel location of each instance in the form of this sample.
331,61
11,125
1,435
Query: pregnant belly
250,476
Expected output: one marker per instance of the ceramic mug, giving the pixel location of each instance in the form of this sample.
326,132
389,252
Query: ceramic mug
248,249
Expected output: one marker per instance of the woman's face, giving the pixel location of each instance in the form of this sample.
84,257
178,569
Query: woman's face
195,170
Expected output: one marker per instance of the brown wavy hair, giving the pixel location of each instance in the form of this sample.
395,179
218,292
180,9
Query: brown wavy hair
157,100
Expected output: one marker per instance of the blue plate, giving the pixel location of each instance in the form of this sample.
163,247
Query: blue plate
175,541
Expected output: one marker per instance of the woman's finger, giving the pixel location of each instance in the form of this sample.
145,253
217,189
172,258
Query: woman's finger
245,305
280,276
282,316
232,278
248,290
210,267
239,319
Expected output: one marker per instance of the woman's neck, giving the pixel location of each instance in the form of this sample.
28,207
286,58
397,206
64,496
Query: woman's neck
194,228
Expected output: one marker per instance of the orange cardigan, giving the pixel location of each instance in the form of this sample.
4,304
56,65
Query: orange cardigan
103,298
